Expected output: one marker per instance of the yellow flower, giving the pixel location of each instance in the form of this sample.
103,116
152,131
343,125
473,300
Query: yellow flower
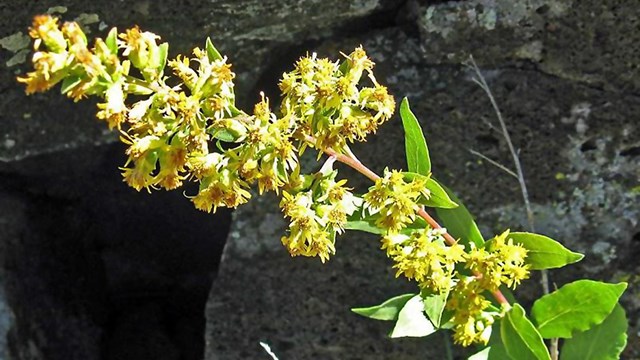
45,29
307,235
222,189
140,47
114,110
181,69
140,176
50,68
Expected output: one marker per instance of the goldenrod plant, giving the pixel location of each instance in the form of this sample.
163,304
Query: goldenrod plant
186,128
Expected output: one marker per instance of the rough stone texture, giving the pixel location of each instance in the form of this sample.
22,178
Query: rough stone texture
252,34
564,72
576,128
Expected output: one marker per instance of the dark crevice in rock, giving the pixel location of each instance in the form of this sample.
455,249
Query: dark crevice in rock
100,271
631,151
589,145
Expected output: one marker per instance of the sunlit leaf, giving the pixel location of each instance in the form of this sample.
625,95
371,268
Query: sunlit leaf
412,321
575,307
604,341
415,145
434,306
544,252
520,338
111,41
163,51
438,197
459,222
388,310
69,83
212,52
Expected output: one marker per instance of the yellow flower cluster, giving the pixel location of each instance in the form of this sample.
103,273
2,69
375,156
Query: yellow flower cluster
423,256
318,209
180,124
500,262
324,97
67,57
170,128
472,321
394,200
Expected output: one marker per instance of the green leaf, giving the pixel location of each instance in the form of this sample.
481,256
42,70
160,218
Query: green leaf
163,51
459,222
439,197
387,311
223,135
544,252
111,40
520,338
601,342
212,52
415,145
575,307
412,321
434,306
69,83
364,225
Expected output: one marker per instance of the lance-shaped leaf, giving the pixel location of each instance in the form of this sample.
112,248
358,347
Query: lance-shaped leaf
163,51
604,341
415,145
69,83
439,197
212,53
364,224
575,307
387,311
111,41
459,222
411,320
520,338
544,252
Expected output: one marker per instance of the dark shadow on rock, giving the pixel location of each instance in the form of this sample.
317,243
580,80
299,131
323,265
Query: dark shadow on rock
94,269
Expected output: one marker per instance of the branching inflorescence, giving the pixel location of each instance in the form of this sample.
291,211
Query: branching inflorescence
187,128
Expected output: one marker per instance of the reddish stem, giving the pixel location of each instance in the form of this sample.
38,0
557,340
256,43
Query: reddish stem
355,164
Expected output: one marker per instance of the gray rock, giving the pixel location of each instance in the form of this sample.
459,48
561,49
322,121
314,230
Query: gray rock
573,123
252,34
564,72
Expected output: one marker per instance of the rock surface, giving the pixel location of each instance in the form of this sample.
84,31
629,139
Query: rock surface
571,115
91,269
